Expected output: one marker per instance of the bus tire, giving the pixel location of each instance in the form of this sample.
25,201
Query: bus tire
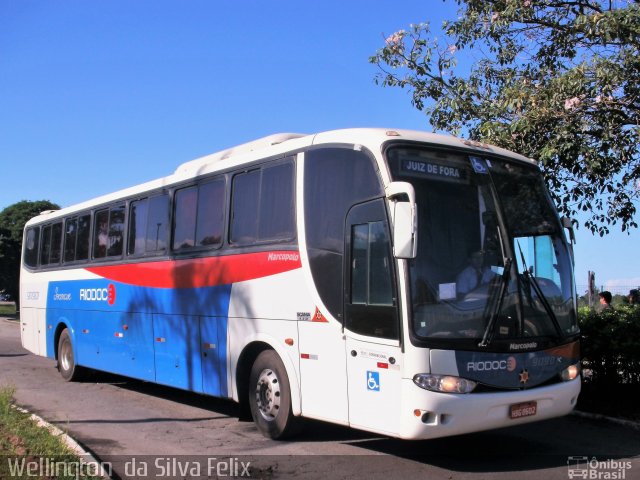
66,362
270,397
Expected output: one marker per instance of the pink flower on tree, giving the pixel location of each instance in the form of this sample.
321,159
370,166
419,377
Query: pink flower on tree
572,103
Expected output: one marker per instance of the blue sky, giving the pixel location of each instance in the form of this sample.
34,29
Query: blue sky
100,95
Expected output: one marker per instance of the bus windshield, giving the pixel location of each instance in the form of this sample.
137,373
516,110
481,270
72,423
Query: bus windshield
493,263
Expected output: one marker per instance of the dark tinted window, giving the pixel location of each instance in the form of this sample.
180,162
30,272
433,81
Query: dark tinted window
244,209
46,245
210,221
56,243
83,240
101,234
31,247
370,265
276,219
148,222
138,212
108,236
70,236
76,238
199,213
51,244
335,180
116,231
185,218
263,205
157,224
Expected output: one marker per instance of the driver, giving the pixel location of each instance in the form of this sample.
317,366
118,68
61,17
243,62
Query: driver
475,275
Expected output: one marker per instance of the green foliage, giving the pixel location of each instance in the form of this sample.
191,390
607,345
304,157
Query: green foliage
558,81
12,221
611,345
22,439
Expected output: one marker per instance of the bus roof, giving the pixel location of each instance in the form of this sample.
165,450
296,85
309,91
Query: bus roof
273,145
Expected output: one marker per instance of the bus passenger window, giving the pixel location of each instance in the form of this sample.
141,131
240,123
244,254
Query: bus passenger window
277,212
116,231
46,245
244,209
210,221
137,226
185,218
157,224
263,205
31,250
100,234
82,240
70,236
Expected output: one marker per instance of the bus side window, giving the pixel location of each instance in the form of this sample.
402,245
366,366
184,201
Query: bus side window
70,236
157,224
116,231
148,223
263,205
31,250
83,238
138,212
100,234
370,265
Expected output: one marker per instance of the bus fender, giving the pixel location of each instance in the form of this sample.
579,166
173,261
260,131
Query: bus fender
285,356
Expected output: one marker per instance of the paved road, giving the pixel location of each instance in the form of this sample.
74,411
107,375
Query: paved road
123,420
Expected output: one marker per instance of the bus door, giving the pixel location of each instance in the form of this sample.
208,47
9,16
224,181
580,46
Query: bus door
371,321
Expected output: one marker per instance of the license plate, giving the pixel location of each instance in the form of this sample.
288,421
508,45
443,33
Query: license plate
520,410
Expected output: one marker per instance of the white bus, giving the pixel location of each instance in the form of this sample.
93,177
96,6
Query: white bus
399,282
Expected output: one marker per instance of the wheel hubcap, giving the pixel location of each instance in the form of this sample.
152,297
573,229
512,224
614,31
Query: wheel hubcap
268,394
65,356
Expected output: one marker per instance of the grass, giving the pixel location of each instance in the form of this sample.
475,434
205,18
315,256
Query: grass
7,309
23,442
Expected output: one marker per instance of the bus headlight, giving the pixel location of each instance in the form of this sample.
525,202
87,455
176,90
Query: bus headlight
571,372
443,383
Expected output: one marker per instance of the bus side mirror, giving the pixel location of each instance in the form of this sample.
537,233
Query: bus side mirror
405,219
568,224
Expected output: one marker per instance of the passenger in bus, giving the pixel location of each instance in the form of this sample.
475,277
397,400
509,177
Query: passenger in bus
475,275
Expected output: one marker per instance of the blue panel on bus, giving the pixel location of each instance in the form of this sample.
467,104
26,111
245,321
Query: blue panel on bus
177,351
516,370
115,327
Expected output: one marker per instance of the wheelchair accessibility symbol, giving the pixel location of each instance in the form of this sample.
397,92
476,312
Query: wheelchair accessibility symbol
373,381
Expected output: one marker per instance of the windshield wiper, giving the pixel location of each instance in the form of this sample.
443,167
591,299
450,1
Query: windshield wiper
491,326
543,299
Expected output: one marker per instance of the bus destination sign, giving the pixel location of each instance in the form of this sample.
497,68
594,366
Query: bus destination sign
419,168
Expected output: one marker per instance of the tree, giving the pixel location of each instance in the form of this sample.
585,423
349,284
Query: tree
12,221
558,81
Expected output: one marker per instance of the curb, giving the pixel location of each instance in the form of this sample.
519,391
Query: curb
598,416
85,456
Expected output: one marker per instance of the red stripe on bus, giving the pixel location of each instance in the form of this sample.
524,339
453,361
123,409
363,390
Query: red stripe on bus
201,272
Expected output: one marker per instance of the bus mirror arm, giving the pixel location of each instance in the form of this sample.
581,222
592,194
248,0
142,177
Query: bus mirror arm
405,219
568,224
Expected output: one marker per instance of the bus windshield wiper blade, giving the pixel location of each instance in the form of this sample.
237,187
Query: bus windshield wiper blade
545,303
543,299
491,326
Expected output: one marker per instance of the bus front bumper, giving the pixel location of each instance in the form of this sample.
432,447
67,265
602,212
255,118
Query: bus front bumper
428,414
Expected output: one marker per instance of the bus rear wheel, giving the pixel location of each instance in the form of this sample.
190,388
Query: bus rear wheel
66,362
270,397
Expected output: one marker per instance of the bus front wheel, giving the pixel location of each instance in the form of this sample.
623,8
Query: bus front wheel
270,397
66,362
